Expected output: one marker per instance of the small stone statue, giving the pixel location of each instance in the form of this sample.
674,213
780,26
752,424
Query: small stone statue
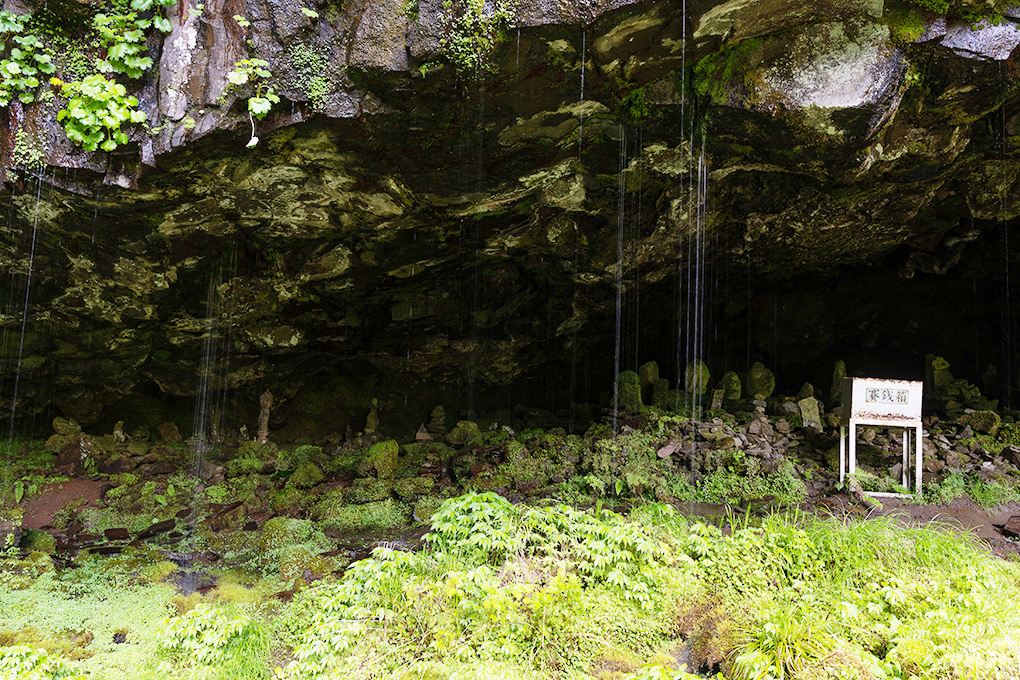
266,402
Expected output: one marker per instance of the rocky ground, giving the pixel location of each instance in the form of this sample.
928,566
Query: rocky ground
309,510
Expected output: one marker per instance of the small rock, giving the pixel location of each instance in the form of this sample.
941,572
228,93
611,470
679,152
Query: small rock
668,450
423,434
789,408
168,432
810,412
1012,527
119,534
157,528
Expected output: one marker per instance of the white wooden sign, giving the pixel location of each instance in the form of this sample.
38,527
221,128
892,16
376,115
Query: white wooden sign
883,403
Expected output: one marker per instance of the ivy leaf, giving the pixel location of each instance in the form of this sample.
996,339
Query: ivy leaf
162,23
238,77
311,14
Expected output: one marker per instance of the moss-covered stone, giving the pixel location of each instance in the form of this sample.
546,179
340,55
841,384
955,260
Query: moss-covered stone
366,490
301,562
327,504
761,382
376,515
382,459
413,487
290,499
660,393
38,541
986,422
278,532
306,476
729,383
425,507
696,377
464,432
628,385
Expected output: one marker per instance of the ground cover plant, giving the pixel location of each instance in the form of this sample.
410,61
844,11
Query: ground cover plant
549,591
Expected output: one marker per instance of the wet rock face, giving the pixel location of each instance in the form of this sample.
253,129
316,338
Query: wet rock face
403,224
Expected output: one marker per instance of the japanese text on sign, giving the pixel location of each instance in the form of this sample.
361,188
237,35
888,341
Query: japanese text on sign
877,395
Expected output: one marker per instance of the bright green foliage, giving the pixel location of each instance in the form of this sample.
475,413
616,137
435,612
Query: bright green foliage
122,31
28,663
96,109
653,672
495,582
256,73
742,480
486,528
215,642
28,153
310,67
937,6
19,72
472,31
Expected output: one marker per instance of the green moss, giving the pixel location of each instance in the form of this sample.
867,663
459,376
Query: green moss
377,515
382,458
714,73
38,541
306,476
425,507
365,490
981,421
937,6
906,25
310,66
628,385
29,151
413,487
290,499
278,532
301,562
328,504
1010,434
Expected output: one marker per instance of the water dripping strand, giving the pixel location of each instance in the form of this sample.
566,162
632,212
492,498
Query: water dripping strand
580,108
24,314
619,275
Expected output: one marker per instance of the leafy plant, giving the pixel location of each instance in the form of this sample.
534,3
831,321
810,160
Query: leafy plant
123,34
27,663
256,73
472,30
28,151
97,107
213,639
27,59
